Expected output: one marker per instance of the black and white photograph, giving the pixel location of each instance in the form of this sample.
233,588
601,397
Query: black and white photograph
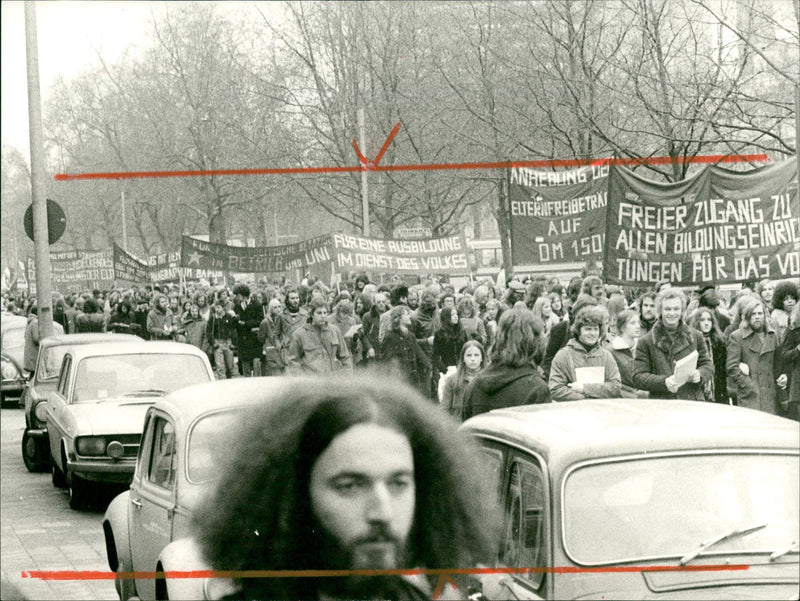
400,300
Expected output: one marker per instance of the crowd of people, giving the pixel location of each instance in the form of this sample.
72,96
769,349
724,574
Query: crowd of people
480,346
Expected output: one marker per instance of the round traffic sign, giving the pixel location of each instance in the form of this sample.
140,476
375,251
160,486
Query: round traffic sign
56,221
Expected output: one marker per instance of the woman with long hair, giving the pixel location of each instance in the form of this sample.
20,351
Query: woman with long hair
469,319
786,297
543,309
448,340
704,320
470,363
401,353
513,376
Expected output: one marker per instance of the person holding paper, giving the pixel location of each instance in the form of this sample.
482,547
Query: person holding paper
753,360
583,368
668,342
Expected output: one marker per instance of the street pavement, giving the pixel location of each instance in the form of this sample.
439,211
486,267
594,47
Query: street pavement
39,531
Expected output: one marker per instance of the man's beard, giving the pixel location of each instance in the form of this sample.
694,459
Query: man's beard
292,307
377,550
757,327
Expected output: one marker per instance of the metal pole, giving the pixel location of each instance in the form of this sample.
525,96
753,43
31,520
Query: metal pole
44,297
275,219
364,181
124,227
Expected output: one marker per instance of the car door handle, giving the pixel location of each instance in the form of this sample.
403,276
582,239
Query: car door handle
136,503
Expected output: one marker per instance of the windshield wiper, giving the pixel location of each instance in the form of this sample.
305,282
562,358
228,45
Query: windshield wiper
718,539
146,392
781,552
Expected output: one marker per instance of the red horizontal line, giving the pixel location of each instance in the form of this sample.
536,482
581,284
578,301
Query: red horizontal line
371,166
143,575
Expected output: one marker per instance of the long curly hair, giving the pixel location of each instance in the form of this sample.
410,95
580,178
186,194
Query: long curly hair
260,517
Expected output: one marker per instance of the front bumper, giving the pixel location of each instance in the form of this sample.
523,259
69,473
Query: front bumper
102,470
12,386
37,432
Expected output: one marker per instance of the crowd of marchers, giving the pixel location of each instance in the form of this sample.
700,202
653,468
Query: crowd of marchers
481,346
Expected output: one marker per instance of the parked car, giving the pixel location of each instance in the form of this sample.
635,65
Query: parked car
620,494
96,413
186,435
35,448
12,350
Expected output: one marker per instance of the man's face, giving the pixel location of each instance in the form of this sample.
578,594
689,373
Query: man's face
448,301
380,303
320,317
671,310
162,303
363,496
757,318
648,308
768,291
597,291
293,300
589,335
428,301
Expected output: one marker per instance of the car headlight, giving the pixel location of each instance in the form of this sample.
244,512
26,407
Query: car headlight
9,370
40,411
90,445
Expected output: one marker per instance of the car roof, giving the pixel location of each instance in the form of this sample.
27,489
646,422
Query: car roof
134,347
87,338
575,430
9,320
193,401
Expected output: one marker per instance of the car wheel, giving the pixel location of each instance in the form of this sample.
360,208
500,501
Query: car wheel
59,480
34,454
78,491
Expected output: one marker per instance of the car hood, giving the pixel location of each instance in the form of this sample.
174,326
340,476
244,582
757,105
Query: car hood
757,581
111,416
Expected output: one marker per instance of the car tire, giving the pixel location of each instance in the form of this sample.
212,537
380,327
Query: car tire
78,491
59,480
35,455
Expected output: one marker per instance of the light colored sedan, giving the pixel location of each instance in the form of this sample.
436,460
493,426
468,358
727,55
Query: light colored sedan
35,448
185,441
96,413
641,499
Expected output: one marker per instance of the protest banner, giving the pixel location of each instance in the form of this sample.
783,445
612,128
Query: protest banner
435,255
254,259
557,216
78,269
717,227
129,269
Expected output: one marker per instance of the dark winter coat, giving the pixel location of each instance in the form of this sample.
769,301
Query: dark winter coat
789,364
90,322
654,361
447,343
499,386
757,390
219,328
719,356
623,355
559,334
249,319
406,360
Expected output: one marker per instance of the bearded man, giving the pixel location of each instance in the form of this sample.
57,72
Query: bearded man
353,476
753,360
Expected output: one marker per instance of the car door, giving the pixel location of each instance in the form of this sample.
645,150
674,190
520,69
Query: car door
153,498
56,404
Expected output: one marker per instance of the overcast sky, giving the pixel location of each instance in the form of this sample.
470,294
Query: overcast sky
70,36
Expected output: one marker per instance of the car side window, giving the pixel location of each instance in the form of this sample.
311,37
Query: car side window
524,543
163,455
493,470
62,380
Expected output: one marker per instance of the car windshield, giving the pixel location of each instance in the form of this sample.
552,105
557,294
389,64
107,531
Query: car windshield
146,374
668,506
209,444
